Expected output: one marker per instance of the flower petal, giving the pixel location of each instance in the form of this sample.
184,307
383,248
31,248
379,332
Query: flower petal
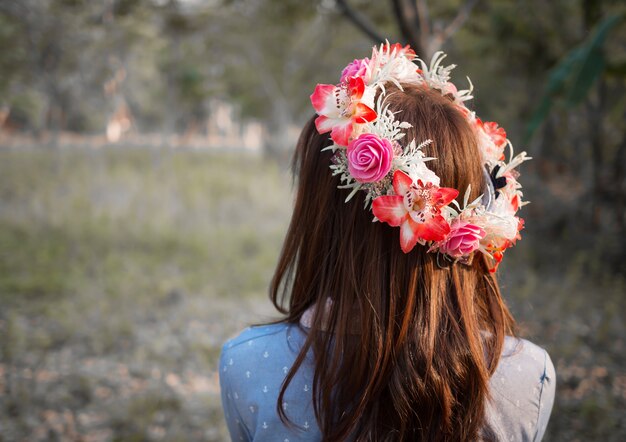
408,235
324,124
435,229
454,243
341,132
401,182
390,209
497,134
323,99
356,86
445,195
363,114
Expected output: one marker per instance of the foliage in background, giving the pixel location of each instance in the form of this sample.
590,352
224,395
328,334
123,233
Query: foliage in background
576,73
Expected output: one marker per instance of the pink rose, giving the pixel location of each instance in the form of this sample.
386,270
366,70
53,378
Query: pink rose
463,239
369,158
355,69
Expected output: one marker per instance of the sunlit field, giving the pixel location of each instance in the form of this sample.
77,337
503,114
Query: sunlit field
123,270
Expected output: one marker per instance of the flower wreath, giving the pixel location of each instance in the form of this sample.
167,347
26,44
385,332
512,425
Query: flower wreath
399,187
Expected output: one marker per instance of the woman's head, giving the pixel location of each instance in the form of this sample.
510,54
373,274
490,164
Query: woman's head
325,227
403,340
400,350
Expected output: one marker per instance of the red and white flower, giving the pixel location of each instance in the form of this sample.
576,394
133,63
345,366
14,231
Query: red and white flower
496,133
492,140
340,108
416,209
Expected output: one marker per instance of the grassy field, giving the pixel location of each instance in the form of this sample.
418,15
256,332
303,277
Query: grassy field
123,270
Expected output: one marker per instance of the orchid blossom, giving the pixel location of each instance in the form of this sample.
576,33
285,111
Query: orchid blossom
340,108
416,209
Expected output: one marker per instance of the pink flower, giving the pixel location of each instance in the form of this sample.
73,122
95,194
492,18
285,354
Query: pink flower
463,239
357,68
369,158
339,108
416,209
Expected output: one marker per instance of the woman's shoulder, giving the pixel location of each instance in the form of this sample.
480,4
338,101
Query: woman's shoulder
522,355
261,346
252,368
256,334
522,391
525,362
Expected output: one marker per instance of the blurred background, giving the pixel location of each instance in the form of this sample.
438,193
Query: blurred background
145,192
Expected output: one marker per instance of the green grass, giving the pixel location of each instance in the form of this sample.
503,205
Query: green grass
137,223
111,255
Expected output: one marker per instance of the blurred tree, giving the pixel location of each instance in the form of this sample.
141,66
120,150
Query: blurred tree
263,66
510,46
570,83
182,63
263,54
578,124
71,48
415,23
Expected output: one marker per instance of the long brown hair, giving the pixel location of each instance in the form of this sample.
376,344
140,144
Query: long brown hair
406,348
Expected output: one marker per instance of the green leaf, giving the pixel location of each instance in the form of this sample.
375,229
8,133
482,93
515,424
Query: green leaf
555,85
538,117
593,61
561,72
575,74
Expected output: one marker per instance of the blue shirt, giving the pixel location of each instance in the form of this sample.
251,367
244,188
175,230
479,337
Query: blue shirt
253,366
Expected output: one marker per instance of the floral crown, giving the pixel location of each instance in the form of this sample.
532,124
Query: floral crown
399,187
